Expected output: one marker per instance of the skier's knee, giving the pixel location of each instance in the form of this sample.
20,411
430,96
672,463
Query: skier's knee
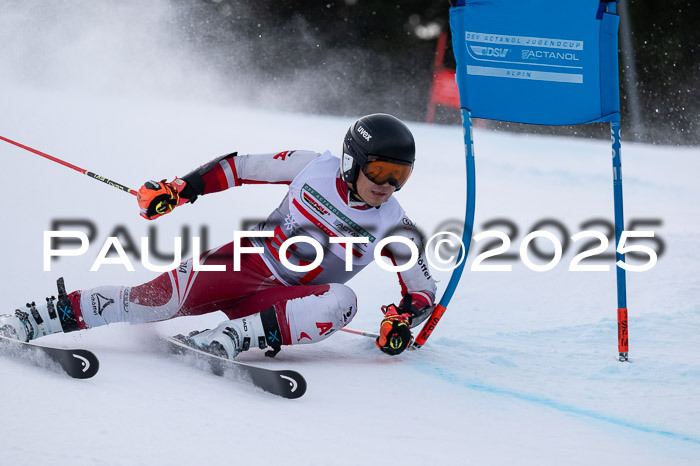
347,302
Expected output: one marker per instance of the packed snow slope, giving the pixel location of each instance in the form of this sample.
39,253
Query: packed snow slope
522,368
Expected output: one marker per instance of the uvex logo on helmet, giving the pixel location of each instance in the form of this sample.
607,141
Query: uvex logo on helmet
364,133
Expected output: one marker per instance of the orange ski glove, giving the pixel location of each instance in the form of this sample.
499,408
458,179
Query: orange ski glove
158,198
394,331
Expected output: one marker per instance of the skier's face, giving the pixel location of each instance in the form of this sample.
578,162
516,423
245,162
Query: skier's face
373,194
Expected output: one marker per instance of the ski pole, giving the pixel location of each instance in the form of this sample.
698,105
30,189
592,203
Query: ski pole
360,332
101,178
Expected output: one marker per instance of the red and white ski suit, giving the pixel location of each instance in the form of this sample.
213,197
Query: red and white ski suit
309,306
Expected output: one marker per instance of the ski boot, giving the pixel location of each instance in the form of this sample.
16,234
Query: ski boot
36,321
232,337
31,322
418,316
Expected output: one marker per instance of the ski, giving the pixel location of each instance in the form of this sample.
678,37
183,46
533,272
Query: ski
284,383
77,363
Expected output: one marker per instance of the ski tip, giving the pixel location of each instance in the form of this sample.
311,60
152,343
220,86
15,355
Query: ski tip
285,383
87,364
77,363
292,384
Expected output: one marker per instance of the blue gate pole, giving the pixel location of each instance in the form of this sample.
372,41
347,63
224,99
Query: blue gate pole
622,333
470,208
466,233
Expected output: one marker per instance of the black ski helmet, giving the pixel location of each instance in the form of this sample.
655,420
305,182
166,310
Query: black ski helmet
380,135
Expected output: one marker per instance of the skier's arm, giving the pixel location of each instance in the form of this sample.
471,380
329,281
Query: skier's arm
416,281
233,170
224,172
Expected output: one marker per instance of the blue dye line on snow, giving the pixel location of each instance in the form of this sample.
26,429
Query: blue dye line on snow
548,402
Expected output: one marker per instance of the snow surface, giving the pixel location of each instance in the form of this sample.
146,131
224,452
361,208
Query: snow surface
522,369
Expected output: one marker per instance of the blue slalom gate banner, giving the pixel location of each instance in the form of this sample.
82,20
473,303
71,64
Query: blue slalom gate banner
537,62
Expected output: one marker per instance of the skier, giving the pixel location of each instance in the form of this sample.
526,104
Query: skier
270,304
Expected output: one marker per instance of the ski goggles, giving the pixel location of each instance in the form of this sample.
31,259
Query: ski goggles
380,171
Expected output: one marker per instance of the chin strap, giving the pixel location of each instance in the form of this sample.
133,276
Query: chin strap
354,199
